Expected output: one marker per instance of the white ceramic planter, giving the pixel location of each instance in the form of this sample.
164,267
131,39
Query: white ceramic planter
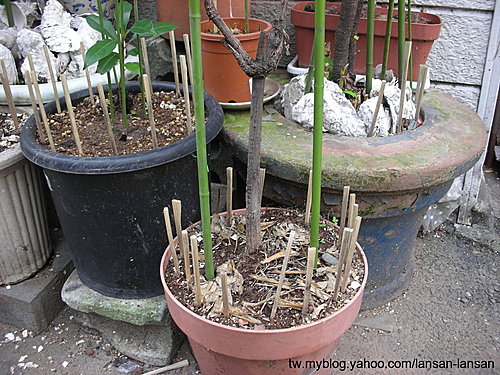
24,237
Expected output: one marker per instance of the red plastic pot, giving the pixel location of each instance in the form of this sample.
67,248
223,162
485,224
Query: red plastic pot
223,350
423,36
223,77
177,12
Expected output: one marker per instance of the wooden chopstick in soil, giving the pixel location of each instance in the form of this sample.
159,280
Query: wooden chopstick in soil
8,94
350,253
424,70
69,107
380,98
311,255
402,98
53,79
307,218
149,100
346,238
38,120
185,87
87,75
174,62
225,295
350,215
229,196
187,46
104,106
185,255
168,226
196,271
42,111
282,274
343,215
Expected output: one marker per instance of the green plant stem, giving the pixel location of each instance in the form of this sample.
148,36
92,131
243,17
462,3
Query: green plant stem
108,75
410,69
370,24
201,146
141,59
310,73
319,63
387,41
8,10
401,39
121,52
247,22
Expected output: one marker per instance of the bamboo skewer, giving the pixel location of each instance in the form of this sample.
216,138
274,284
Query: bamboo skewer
185,87
173,366
196,271
36,114
350,253
402,99
177,209
8,94
149,100
168,226
42,111
424,69
311,255
380,98
350,215
346,238
309,199
187,46
282,274
104,106
225,294
32,66
343,214
262,179
87,74
145,60
229,195
53,79
185,255
69,107
174,62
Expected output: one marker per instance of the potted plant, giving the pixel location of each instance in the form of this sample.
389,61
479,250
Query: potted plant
396,178
257,349
424,31
25,238
107,191
177,12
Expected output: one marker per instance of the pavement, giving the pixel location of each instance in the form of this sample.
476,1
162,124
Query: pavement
449,316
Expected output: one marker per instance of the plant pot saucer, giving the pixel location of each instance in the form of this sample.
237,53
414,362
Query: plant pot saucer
271,90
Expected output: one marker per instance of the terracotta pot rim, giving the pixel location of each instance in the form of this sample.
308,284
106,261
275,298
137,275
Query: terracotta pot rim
166,258
249,36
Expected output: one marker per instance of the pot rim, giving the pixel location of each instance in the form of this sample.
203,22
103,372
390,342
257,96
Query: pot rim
121,163
241,37
166,259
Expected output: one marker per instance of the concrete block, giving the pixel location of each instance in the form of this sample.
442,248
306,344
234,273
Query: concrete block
34,303
139,328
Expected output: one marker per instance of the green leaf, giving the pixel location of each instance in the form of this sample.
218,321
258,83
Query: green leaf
144,28
109,29
133,67
107,63
133,52
160,28
351,93
99,51
127,8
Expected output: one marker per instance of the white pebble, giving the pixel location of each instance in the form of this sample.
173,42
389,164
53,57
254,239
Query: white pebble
9,337
355,285
65,364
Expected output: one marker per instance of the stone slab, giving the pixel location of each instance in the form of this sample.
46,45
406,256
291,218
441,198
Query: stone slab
34,303
139,312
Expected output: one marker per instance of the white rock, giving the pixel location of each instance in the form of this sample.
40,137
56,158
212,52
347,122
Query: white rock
9,337
355,285
8,37
32,42
88,35
62,62
56,29
65,364
10,64
291,94
25,333
392,95
383,124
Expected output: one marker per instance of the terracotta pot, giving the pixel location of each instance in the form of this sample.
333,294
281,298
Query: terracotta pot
222,75
177,12
222,350
423,36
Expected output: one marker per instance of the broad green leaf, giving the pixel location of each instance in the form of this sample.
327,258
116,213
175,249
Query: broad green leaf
133,52
99,50
109,29
107,63
160,28
127,8
142,28
133,67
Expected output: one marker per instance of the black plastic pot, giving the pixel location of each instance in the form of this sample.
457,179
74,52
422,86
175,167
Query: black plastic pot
111,208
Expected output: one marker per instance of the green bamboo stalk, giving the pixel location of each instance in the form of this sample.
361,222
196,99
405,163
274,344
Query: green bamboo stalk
201,146
8,10
410,39
108,75
387,41
319,63
247,22
141,59
370,32
401,39
121,52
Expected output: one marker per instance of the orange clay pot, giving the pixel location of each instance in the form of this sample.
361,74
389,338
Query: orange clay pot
224,350
223,77
177,12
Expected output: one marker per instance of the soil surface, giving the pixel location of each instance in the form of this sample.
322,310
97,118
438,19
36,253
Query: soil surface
170,122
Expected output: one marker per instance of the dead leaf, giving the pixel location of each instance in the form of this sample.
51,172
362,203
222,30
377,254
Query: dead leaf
267,224
278,255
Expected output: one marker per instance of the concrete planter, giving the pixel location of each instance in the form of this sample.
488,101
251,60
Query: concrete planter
24,237
395,178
